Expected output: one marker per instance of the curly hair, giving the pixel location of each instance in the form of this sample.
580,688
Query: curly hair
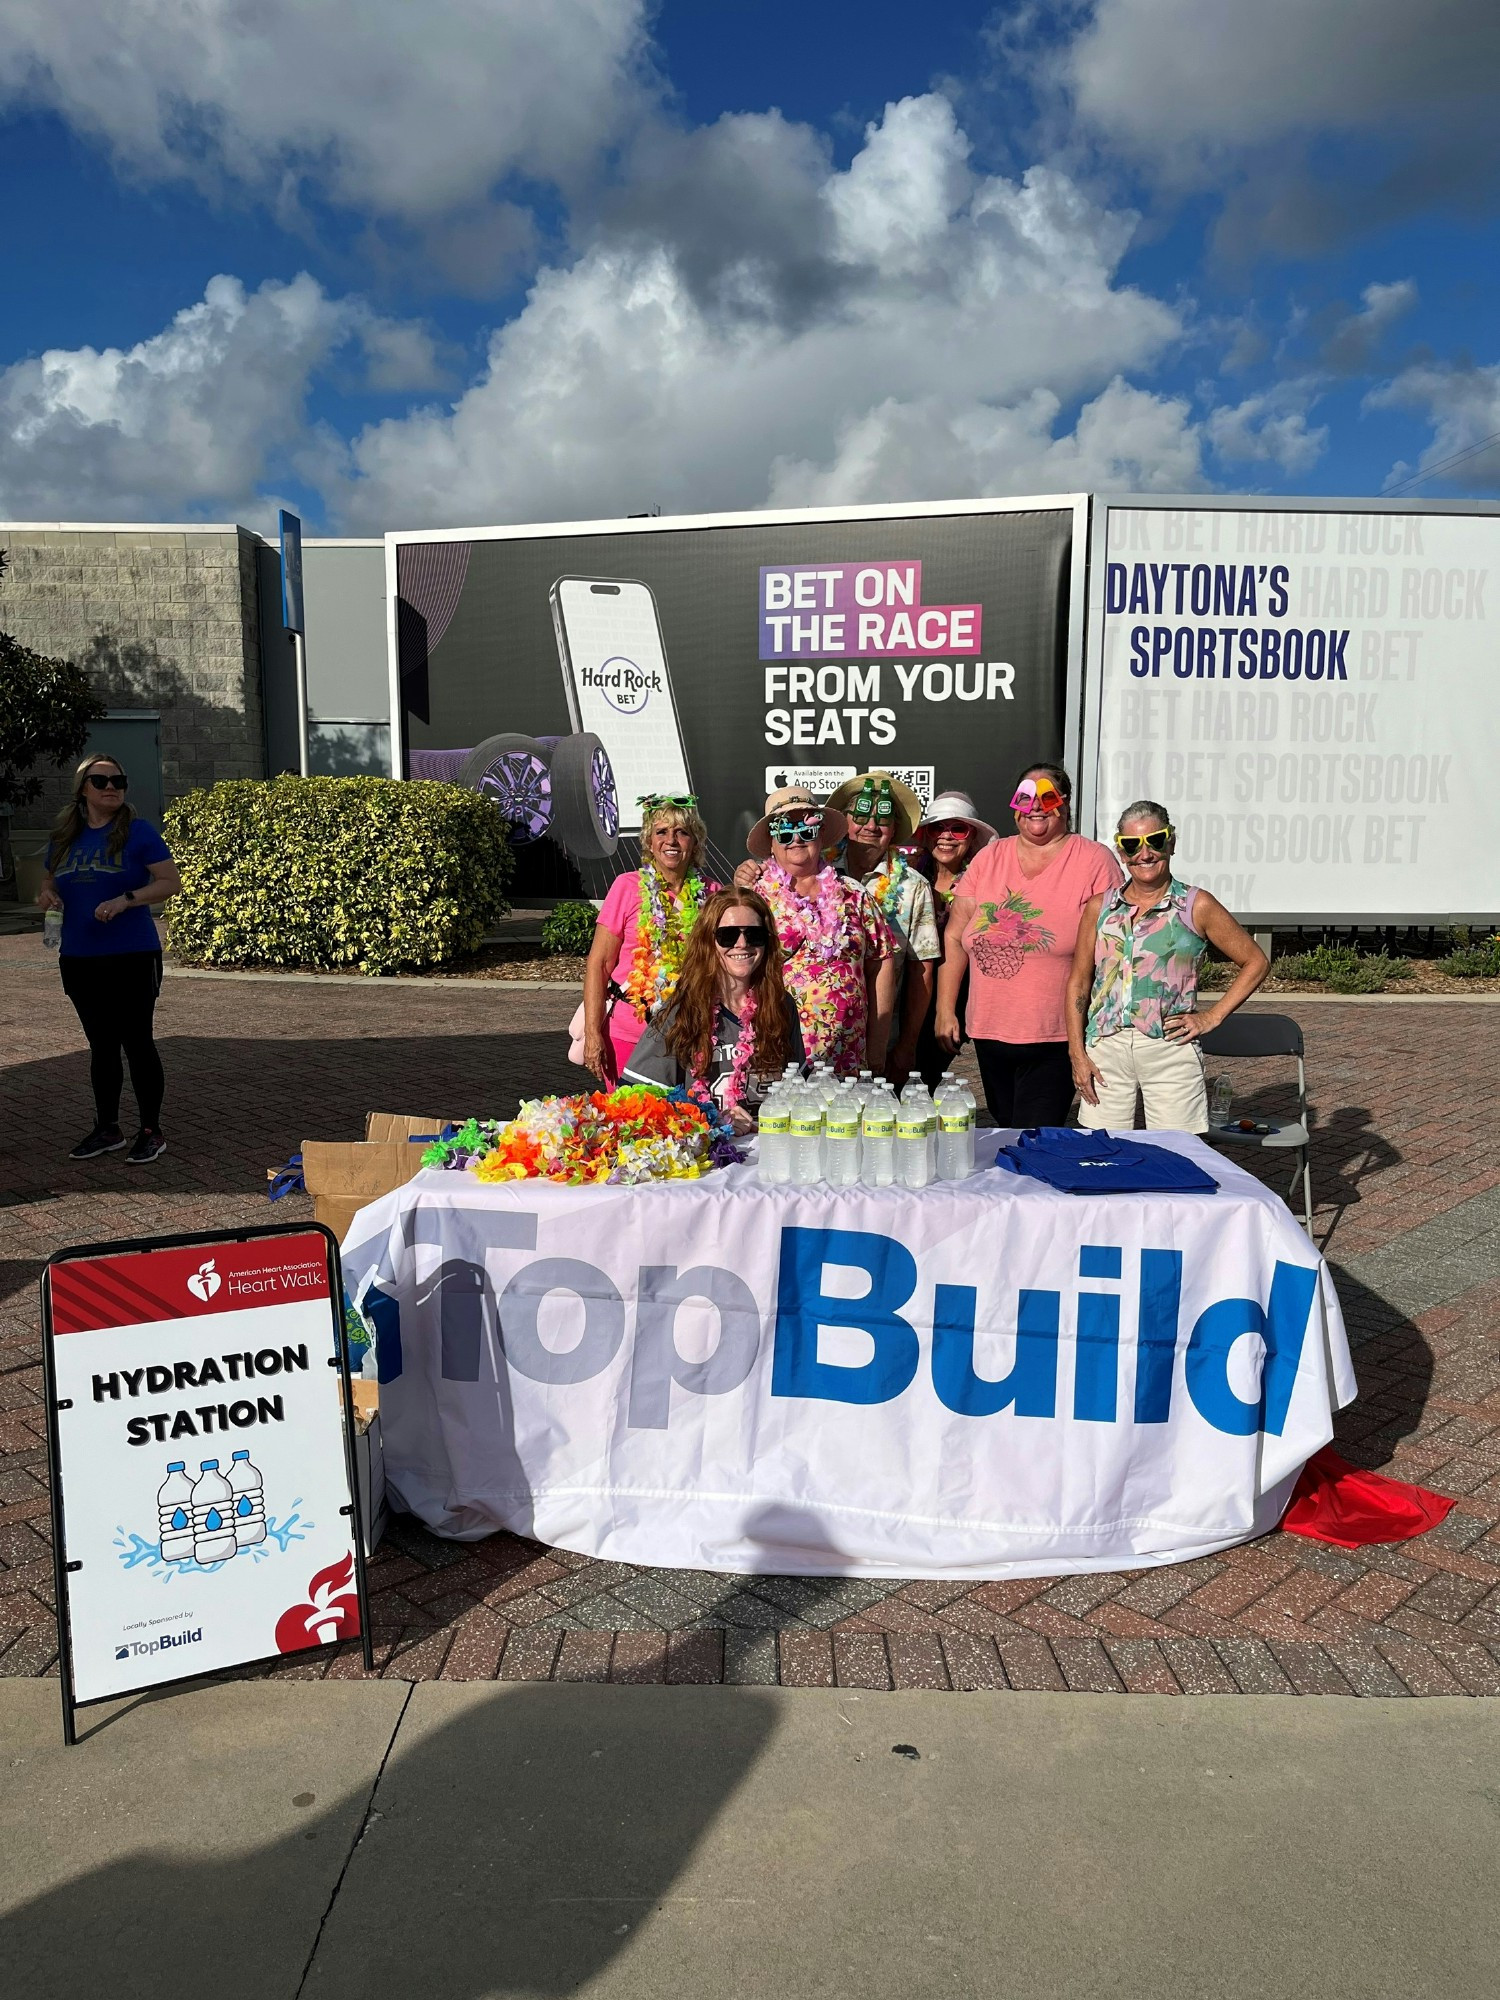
662,812
690,1026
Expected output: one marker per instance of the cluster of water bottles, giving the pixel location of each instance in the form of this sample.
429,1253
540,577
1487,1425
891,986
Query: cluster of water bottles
211,1518
850,1132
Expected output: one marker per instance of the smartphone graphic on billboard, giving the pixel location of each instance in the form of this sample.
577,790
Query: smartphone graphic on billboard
615,669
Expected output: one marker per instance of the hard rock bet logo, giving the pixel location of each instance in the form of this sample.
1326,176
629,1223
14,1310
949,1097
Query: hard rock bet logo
332,1611
204,1282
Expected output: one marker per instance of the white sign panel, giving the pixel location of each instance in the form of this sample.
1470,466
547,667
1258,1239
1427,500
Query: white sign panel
985,1378
1314,696
200,1458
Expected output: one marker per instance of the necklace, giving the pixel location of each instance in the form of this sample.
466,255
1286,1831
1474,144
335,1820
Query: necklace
662,930
888,886
813,926
744,1051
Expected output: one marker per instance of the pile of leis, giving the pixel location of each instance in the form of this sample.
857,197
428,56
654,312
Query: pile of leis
636,1133
663,927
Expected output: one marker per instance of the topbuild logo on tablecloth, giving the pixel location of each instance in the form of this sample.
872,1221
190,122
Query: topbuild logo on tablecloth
805,1305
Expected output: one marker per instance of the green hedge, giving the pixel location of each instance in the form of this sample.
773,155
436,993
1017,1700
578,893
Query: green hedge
1342,969
373,874
568,929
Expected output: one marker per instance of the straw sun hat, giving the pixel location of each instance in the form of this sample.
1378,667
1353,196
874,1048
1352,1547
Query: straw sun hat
790,797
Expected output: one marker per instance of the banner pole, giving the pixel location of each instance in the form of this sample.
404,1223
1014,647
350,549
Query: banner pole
60,1565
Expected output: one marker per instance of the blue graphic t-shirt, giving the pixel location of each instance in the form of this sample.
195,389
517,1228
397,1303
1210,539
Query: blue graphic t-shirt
87,876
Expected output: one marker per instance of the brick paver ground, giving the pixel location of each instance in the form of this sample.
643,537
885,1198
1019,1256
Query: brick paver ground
1407,1179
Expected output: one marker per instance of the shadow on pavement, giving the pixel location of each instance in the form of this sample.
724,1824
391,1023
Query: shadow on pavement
516,1838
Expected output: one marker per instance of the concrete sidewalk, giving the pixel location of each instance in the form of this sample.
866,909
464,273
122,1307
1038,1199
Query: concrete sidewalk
465,1841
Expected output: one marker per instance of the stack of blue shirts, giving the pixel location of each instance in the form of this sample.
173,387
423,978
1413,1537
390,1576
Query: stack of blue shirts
1097,1163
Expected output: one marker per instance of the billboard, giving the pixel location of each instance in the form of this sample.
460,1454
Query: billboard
718,655
1310,688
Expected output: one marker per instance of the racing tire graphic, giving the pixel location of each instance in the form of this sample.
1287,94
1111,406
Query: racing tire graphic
513,772
585,802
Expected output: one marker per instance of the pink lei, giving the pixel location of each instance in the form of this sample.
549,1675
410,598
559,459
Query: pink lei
825,937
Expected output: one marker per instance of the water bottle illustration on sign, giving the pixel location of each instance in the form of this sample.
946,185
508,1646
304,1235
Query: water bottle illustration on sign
211,1518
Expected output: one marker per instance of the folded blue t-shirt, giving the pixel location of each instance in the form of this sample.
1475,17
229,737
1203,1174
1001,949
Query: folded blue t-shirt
1097,1163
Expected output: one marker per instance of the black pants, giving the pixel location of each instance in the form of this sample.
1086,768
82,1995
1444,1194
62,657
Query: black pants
1026,1083
114,996
931,1057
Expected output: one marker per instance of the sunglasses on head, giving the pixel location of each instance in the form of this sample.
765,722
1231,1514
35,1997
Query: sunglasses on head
108,781
804,827
727,936
684,800
1130,844
1037,795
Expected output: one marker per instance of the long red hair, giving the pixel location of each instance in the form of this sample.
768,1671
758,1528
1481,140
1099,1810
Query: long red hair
689,1030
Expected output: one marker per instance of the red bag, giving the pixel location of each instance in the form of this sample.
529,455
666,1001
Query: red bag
1336,1502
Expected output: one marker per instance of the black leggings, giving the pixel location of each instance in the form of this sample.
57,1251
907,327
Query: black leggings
1026,1083
114,996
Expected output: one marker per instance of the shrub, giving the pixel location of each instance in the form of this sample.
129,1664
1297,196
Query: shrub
568,929
1475,961
375,874
1343,969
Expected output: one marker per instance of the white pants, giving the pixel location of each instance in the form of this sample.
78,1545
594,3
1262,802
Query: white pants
1168,1075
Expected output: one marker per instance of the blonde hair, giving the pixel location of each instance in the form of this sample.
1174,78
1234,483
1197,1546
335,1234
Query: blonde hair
687,817
71,822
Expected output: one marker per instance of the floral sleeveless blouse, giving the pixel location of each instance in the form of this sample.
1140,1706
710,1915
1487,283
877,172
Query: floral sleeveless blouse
1147,970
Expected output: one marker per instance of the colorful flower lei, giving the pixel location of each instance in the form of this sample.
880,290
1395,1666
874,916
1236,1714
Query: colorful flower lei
823,936
888,885
744,1051
623,1137
663,927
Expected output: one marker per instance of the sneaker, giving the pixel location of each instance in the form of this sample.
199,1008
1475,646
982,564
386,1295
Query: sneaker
148,1146
103,1139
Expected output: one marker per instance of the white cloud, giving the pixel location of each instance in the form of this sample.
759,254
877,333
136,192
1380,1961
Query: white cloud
1270,429
1462,403
1352,346
191,421
919,336
391,108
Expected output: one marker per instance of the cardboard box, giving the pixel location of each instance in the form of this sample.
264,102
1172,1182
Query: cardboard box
344,1178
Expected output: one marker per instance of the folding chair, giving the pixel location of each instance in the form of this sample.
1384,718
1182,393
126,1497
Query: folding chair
1268,1035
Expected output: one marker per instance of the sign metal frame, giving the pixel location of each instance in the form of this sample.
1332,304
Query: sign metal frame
339,1359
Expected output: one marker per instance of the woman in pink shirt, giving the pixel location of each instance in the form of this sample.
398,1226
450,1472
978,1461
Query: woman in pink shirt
642,933
1013,927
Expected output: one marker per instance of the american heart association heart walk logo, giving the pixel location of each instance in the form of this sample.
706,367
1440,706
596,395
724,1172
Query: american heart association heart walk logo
331,1612
204,1282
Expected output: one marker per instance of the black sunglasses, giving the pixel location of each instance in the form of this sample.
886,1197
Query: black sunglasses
104,783
729,935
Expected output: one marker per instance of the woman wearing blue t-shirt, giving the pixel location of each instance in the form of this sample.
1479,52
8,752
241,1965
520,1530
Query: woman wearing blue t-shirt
105,868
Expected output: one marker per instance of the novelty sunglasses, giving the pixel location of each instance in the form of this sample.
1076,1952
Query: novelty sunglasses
805,827
1037,795
727,936
1130,844
686,800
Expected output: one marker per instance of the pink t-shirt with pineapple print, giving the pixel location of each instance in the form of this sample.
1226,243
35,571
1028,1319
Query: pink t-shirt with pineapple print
1021,937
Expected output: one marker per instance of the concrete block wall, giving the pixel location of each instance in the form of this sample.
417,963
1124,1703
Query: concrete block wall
162,618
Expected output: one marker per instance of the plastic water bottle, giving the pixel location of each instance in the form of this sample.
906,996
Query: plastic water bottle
914,1138
955,1133
248,1488
841,1139
971,1113
213,1515
1220,1099
52,930
174,1511
807,1136
773,1155
878,1150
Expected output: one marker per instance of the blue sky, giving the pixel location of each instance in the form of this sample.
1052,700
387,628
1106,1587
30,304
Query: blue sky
483,261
